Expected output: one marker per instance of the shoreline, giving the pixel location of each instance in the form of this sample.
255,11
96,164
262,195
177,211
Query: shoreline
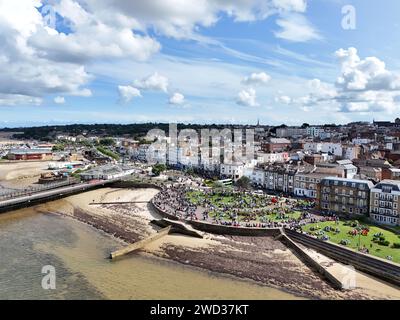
262,261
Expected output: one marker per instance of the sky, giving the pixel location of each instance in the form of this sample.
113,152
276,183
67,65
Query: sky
199,61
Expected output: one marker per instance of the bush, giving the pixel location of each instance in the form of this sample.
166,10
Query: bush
345,242
158,168
384,243
396,245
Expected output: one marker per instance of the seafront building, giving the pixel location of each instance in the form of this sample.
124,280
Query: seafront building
385,202
345,196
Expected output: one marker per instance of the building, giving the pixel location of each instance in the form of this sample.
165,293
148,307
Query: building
307,184
30,154
350,170
287,132
313,159
275,145
107,172
385,202
330,169
345,196
232,171
273,157
372,173
315,132
256,176
324,147
280,179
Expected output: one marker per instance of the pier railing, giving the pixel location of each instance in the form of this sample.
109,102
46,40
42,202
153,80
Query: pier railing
37,189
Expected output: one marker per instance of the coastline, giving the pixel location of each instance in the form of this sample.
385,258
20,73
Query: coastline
264,261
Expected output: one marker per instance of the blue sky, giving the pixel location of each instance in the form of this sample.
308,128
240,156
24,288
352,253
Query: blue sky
236,63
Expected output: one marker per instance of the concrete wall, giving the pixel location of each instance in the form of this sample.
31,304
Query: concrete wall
310,261
220,229
375,266
234,231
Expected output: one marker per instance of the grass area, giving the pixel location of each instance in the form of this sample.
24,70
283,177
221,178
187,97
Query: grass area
342,234
108,152
219,201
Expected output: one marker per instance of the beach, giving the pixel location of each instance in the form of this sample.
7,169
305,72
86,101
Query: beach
20,175
258,259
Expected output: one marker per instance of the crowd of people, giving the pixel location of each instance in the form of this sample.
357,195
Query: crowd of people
172,200
229,207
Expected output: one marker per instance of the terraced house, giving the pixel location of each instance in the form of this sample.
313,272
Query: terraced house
385,202
280,179
307,184
345,196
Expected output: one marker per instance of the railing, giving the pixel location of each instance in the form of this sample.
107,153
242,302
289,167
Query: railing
37,189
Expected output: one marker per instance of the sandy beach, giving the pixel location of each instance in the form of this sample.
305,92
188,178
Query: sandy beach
263,260
19,175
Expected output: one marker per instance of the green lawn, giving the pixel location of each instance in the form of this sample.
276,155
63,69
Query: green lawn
373,247
218,201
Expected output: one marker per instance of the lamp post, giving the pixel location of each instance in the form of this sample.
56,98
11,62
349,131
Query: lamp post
359,237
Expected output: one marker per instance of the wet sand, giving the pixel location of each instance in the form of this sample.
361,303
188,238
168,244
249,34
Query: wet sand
262,260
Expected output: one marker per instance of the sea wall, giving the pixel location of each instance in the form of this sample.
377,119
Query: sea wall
380,268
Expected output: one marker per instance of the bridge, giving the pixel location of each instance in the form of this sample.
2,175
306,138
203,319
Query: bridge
29,198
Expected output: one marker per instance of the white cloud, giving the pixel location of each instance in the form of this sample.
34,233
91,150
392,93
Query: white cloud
364,74
365,84
296,28
59,100
127,93
247,97
36,60
15,99
256,79
181,18
283,99
155,82
92,37
177,99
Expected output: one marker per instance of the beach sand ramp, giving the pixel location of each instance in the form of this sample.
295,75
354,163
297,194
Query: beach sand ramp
140,244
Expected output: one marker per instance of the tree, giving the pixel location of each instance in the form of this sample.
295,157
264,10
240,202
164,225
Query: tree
243,182
107,142
217,185
305,125
58,147
158,168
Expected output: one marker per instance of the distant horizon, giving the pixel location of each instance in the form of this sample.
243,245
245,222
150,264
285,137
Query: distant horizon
45,124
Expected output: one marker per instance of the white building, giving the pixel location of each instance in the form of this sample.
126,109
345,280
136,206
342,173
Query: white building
350,170
361,141
272,157
324,147
315,132
234,171
385,202
256,176
107,172
237,170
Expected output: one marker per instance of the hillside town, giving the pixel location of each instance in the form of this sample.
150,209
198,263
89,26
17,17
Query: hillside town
351,170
